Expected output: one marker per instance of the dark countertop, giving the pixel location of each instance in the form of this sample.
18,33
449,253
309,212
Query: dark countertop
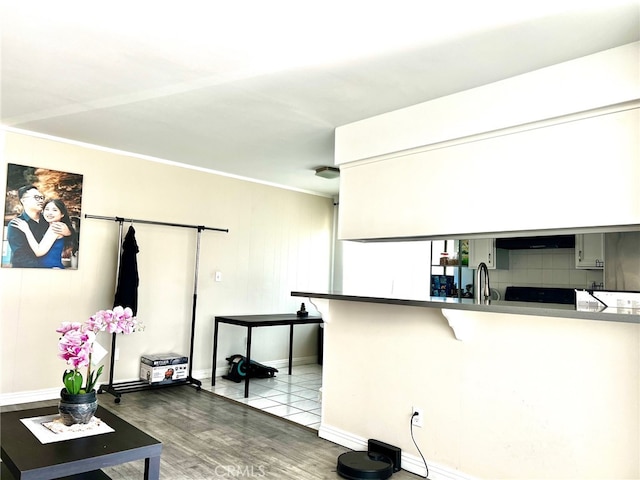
513,308
268,319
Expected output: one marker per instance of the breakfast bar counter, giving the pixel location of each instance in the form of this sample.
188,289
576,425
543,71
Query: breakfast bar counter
468,304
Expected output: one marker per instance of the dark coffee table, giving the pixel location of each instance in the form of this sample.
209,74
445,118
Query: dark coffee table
25,458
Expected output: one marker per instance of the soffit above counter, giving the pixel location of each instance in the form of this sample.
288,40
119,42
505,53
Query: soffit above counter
596,81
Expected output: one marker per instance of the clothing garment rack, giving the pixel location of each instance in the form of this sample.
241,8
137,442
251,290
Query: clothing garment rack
134,386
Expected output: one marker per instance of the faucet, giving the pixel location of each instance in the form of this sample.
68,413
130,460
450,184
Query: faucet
483,292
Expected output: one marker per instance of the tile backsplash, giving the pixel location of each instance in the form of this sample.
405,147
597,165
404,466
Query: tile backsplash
554,267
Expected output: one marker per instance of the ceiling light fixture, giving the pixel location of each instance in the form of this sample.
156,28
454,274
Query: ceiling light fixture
328,172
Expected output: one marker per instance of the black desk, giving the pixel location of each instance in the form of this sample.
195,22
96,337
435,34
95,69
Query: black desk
25,458
251,321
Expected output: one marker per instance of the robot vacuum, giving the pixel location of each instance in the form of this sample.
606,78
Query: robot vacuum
364,465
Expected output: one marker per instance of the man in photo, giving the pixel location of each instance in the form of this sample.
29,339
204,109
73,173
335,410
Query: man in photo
22,255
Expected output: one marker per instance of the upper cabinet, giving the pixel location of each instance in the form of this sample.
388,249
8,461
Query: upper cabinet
590,251
412,195
484,250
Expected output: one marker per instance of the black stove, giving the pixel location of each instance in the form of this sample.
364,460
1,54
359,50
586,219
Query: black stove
541,295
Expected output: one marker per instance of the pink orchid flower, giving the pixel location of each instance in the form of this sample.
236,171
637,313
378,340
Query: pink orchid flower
76,343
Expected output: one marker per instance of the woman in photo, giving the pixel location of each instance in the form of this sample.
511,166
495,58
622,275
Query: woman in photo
50,249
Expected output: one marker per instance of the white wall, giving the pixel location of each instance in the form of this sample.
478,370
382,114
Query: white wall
278,241
386,269
524,397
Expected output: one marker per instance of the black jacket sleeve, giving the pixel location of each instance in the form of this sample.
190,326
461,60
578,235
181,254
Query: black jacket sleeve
128,280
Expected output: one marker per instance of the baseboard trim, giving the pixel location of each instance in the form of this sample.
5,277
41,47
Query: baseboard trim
281,365
54,393
30,396
410,463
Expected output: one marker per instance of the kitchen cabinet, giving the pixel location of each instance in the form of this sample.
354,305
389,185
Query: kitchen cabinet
590,251
484,250
409,195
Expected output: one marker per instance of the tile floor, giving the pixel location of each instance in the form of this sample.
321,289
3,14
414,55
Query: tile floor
295,397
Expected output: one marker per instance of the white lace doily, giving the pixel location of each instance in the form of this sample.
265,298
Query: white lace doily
50,428
56,426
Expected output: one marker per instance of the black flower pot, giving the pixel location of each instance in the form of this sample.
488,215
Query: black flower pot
77,408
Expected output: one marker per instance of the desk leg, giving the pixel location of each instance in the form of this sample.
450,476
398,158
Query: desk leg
246,378
290,347
152,468
215,353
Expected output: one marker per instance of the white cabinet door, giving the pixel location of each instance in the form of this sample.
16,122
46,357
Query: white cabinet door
484,250
590,251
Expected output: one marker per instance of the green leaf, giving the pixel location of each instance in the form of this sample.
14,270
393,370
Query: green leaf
93,378
72,380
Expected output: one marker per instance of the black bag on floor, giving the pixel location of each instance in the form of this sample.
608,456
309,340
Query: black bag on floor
238,369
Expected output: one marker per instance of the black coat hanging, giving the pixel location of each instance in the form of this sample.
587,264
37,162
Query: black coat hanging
128,280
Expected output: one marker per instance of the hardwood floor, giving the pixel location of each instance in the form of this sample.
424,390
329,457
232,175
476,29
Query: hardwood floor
206,437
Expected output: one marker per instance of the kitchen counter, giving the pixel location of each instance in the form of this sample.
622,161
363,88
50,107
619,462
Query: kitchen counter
514,308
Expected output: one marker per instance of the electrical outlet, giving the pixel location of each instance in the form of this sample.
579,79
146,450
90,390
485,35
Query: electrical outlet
116,355
417,417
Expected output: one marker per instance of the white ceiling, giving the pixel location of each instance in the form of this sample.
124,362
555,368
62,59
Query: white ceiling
256,88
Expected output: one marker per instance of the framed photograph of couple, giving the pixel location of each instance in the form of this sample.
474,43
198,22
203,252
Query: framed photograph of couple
41,226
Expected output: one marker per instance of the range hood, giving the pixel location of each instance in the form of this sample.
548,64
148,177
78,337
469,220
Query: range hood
527,243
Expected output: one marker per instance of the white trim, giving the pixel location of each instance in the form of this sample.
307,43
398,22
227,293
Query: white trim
460,323
54,393
500,132
410,463
341,437
29,396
